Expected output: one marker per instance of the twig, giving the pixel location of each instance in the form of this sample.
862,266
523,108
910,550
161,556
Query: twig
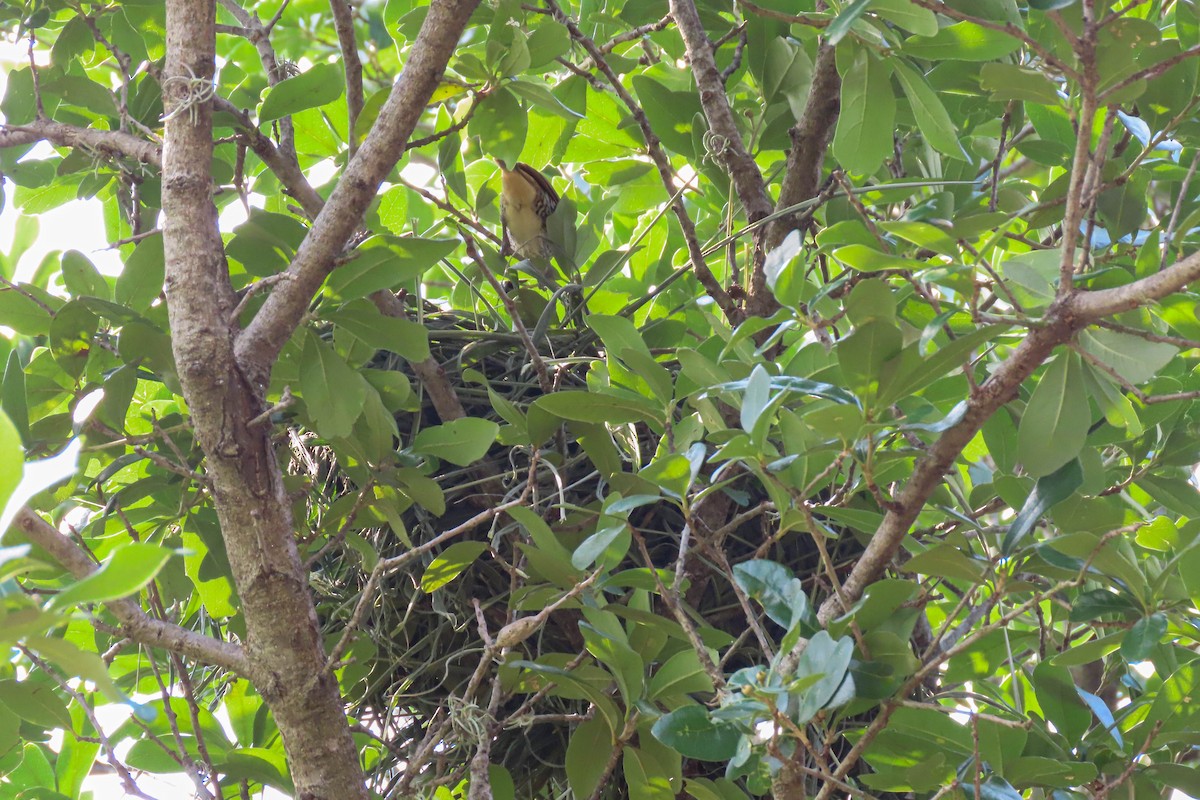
343,23
514,314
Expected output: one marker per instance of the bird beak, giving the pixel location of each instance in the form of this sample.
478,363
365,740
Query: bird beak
503,166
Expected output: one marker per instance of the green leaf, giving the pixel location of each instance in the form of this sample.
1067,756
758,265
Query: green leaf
907,15
932,118
611,533
1123,208
71,332
75,662
1143,637
450,563
387,263
610,409
644,778
680,674
22,313
1060,701
547,42
501,125
830,659
35,702
130,567
626,665
963,41
1012,82
869,300
81,277
587,754
332,391
756,397
870,259
695,734
141,282
1132,357
322,84
845,20
863,138
672,115
11,462
864,353
401,336
775,588
38,475
1056,420
1047,492
461,441
541,97
268,767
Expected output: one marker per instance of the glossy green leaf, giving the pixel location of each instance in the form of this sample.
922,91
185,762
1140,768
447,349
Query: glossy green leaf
932,118
332,391
141,282
321,84
863,137
1047,492
1056,419
693,732
461,441
845,20
679,674
450,563
775,587
962,41
126,571
587,754
401,336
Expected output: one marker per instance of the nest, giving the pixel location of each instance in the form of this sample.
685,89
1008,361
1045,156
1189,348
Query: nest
417,651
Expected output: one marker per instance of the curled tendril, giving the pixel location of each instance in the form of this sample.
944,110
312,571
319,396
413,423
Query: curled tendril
196,91
468,720
287,69
714,146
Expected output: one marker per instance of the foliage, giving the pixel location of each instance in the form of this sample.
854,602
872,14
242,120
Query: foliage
884,488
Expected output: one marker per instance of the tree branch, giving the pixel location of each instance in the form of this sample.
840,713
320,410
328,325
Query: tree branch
665,172
726,141
1091,306
810,140
1001,387
135,623
110,144
247,484
731,152
343,23
259,344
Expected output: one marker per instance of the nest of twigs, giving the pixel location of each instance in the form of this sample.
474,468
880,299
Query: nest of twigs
417,651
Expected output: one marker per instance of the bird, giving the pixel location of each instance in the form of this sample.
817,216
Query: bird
526,201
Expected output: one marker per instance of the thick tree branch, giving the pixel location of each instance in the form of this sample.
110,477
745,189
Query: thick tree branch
259,345
1068,316
810,140
725,139
260,36
731,150
285,168
283,640
135,623
1091,306
1001,387
110,144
